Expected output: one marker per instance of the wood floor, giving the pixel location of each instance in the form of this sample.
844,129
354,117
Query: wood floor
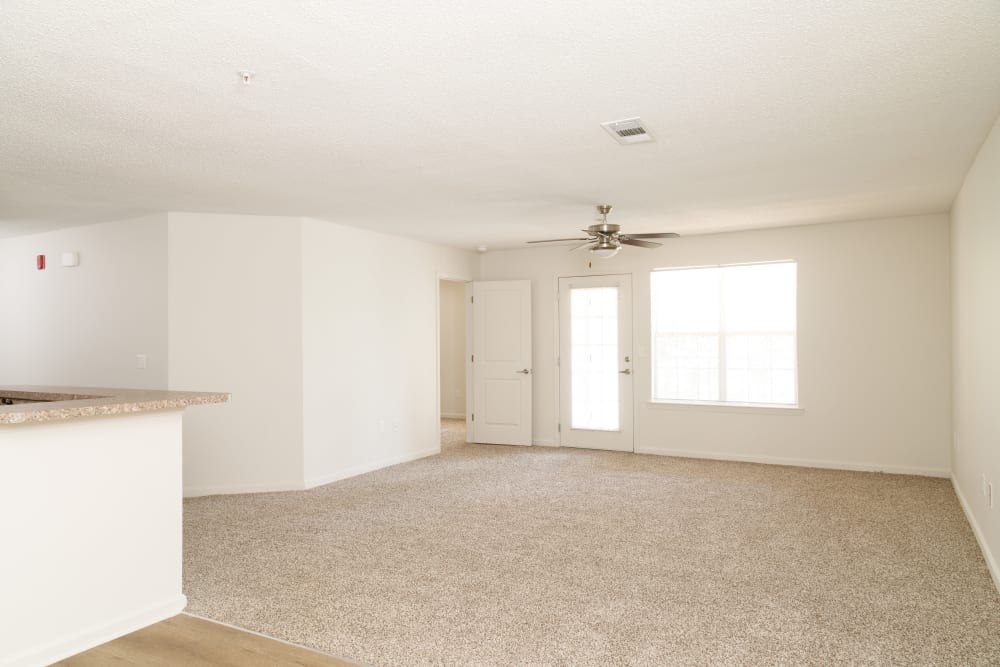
195,642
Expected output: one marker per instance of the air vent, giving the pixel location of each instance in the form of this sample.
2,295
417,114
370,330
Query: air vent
628,131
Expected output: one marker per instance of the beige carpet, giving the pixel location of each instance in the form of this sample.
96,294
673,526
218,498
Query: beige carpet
490,555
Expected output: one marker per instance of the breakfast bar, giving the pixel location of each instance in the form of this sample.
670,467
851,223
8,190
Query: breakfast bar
91,515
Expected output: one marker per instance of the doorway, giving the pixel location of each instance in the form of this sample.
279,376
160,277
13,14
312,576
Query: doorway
595,362
452,353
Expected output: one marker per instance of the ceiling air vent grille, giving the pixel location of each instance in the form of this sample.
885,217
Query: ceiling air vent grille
628,131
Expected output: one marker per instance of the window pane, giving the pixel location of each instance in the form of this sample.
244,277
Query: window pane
686,300
759,297
686,367
593,313
760,368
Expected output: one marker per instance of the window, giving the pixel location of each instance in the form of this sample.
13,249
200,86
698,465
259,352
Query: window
725,334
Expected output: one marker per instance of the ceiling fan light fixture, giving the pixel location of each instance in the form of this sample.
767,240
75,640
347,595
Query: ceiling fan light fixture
605,249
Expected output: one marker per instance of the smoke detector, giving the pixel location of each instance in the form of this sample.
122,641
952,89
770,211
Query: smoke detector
628,131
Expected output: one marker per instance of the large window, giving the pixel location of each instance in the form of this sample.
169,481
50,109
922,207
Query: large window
725,334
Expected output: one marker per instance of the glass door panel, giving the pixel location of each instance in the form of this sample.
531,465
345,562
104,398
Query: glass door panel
594,344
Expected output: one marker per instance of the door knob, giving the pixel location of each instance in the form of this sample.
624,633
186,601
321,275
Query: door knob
523,370
627,371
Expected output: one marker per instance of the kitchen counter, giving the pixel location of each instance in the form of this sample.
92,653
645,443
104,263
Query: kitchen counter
58,403
91,509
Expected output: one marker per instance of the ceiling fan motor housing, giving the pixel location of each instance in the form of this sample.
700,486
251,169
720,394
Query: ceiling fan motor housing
603,229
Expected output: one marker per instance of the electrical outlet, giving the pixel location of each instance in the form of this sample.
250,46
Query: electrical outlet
140,361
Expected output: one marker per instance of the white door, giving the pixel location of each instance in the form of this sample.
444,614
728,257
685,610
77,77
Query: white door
501,362
595,362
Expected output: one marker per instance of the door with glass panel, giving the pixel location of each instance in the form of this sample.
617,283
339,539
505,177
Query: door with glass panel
595,362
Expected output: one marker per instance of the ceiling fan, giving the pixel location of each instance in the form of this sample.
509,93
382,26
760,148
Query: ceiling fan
605,239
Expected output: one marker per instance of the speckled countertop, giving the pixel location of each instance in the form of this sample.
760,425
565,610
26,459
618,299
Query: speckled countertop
73,402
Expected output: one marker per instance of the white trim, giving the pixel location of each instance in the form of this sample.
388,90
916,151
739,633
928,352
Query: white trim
736,408
991,561
802,463
452,415
544,442
354,471
99,634
268,487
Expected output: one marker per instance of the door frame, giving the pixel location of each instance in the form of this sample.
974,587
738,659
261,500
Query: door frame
556,351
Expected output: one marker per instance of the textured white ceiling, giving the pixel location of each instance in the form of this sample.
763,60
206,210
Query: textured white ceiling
478,122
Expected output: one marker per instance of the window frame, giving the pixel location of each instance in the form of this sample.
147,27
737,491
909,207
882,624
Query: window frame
723,405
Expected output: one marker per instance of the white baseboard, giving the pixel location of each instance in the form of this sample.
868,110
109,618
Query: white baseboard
545,442
991,562
354,471
64,647
452,415
802,463
195,491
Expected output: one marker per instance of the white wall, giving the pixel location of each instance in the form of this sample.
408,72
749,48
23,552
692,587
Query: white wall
874,345
976,318
85,325
235,324
328,378
452,355
369,351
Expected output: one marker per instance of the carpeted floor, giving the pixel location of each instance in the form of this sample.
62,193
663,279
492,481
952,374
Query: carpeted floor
489,555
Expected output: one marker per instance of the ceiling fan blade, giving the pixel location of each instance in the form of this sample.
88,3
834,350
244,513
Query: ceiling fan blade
641,244
582,245
582,238
654,235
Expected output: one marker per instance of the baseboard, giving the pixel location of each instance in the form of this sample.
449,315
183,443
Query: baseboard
195,491
452,415
802,463
354,471
97,635
991,562
545,442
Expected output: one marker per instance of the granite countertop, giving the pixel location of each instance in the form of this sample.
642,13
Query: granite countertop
72,402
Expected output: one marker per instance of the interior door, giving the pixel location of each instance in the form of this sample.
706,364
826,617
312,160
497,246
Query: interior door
595,362
501,362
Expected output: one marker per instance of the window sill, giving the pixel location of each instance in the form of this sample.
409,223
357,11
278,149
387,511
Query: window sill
737,408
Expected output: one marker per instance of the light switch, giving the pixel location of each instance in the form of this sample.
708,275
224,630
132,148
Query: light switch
140,361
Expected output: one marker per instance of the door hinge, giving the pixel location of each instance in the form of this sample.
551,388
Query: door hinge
473,416
559,428
473,359
472,299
